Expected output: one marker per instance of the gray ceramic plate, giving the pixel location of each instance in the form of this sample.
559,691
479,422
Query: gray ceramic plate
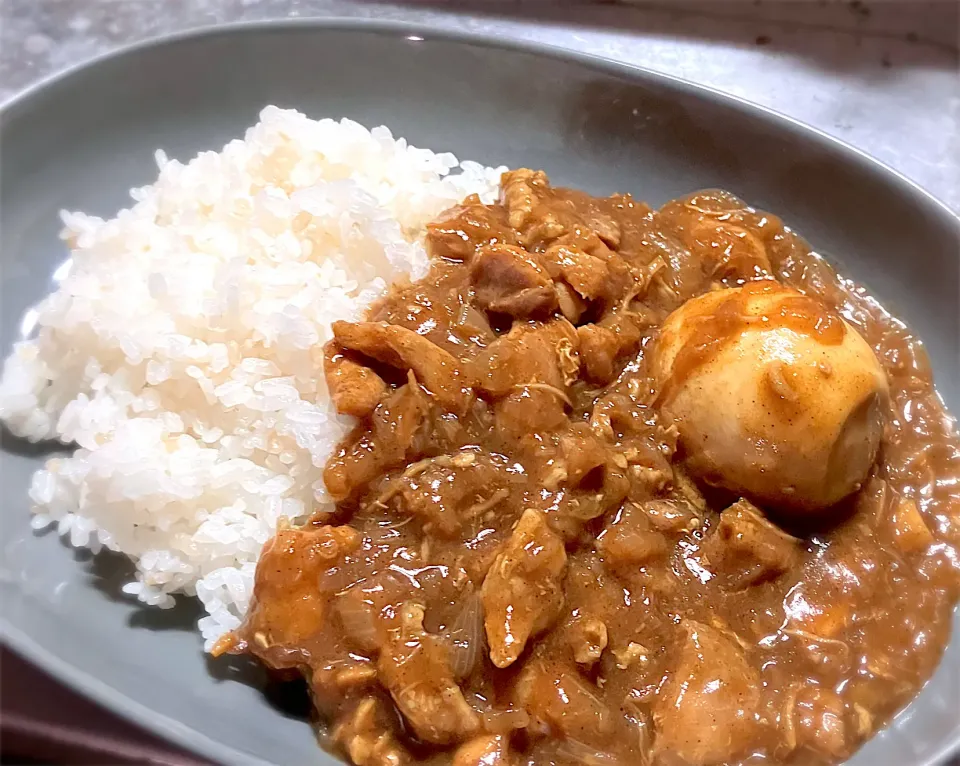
82,140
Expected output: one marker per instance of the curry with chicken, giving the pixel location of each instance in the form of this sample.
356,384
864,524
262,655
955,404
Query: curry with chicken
627,486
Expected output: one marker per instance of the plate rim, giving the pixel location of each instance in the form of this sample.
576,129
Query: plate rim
179,733
427,31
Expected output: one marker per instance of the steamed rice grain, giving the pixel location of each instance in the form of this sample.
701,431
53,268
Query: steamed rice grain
182,350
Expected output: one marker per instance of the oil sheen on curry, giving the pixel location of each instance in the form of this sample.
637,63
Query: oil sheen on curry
627,486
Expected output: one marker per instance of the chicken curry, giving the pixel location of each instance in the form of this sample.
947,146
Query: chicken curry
627,486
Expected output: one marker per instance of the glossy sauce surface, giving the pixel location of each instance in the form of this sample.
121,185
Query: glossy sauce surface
520,571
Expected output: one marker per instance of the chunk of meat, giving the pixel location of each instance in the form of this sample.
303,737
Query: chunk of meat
816,719
289,609
528,370
415,667
366,734
509,280
594,472
395,425
522,593
617,336
628,325
488,750
631,539
734,252
355,389
583,453
330,682
532,409
606,228
532,352
599,349
705,712
520,192
458,232
746,548
437,370
908,529
559,697
585,273
449,491
571,305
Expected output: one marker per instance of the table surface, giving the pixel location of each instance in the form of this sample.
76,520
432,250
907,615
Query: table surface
880,75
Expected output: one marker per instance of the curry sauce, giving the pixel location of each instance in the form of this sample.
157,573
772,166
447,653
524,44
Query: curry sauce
520,569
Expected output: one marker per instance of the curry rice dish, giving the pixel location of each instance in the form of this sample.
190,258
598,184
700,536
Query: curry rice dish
511,475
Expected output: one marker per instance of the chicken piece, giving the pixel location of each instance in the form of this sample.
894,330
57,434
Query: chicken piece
488,750
355,389
585,273
606,228
528,371
532,352
415,667
908,529
288,608
595,473
616,336
583,453
557,696
775,397
571,305
330,682
705,711
447,491
814,614
587,637
816,719
522,592
395,424
542,231
458,232
712,228
631,539
520,193
436,370
745,548
628,326
509,280
599,349
735,253
366,734
533,409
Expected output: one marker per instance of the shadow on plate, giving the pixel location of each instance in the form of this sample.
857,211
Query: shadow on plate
109,572
290,698
16,445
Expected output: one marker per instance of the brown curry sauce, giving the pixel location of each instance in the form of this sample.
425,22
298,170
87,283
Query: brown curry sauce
519,571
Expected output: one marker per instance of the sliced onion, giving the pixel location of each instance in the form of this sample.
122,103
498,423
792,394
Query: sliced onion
358,621
582,753
467,636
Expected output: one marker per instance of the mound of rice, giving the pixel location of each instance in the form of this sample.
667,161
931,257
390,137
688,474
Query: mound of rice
182,350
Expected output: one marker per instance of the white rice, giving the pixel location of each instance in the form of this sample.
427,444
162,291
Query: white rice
182,349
